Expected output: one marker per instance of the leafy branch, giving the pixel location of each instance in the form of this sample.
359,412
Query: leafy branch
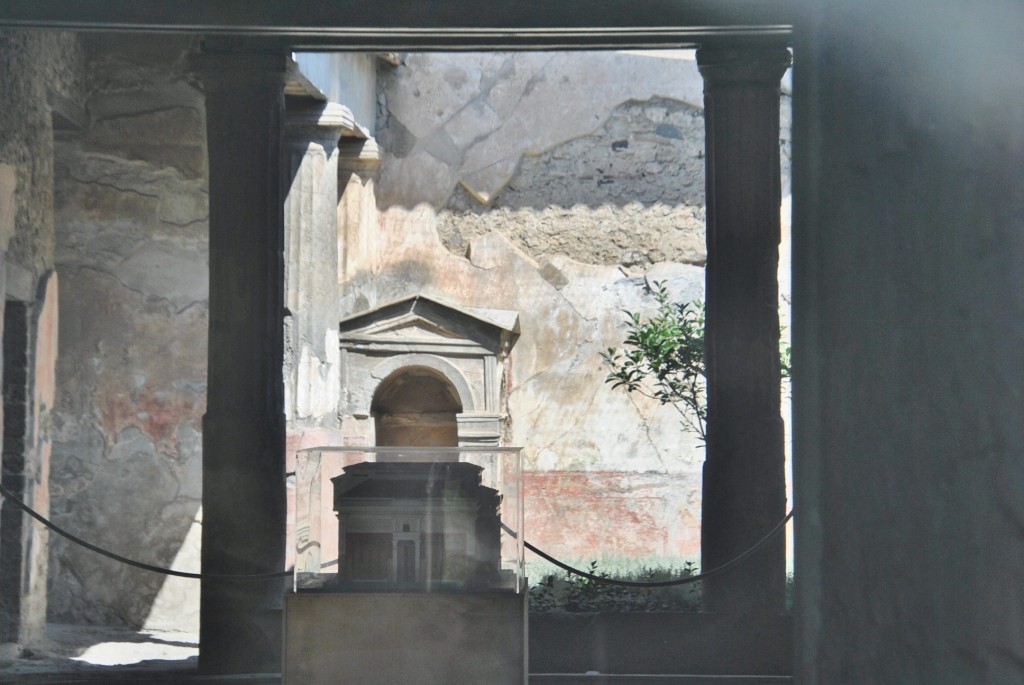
663,358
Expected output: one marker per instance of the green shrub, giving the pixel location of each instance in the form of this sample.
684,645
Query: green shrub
572,593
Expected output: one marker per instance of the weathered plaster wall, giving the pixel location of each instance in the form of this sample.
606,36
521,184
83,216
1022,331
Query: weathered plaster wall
553,184
30,64
628,192
33,66
470,118
131,249
593,449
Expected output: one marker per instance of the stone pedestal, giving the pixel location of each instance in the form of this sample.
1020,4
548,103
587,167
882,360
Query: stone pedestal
413,639
744,493
244,515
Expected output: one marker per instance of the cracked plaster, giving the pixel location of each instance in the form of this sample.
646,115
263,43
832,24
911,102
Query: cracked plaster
131,205
569,421
535,101
532,146
552,184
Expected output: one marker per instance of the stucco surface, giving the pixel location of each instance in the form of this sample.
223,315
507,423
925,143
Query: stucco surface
597,156
585,197
629,192
32,66
31,62
132,213
554,185
570,422
479,113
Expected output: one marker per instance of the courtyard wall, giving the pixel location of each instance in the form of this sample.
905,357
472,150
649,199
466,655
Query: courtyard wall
556,184
38,73
553,185
131,196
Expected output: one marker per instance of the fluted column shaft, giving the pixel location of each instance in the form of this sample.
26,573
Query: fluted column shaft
313,383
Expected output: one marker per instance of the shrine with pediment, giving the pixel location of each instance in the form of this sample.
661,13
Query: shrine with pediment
422,372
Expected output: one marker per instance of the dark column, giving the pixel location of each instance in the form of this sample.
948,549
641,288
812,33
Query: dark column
744,479
244,514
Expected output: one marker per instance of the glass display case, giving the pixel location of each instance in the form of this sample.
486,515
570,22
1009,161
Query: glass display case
419,519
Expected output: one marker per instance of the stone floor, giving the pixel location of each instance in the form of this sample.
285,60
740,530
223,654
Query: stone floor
79,653
86,655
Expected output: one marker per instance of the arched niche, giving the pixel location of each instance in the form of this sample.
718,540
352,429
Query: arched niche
427,363
416,406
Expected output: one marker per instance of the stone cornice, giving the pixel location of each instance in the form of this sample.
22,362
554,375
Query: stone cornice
329,115
358,154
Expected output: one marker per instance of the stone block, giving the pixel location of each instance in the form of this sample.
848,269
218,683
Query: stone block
413,639
660,643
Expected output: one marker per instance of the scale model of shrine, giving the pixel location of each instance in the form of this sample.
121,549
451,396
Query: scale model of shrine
408,566
411,533
409,525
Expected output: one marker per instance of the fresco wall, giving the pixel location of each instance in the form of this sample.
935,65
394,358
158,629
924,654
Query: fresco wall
131,199
548,185
555,185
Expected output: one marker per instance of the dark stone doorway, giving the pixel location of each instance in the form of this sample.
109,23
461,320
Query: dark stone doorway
13,535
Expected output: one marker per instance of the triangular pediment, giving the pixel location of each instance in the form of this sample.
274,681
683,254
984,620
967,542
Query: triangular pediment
423,319
410,327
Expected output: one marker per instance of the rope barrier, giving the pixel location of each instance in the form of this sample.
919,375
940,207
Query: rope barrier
8,495
660,583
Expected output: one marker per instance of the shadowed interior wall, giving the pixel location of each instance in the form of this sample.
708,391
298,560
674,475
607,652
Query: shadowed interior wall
132,243
36,69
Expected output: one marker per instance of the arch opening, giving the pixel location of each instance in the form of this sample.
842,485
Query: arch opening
416,407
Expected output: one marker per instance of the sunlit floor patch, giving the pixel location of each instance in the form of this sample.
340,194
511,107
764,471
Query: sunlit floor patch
159,646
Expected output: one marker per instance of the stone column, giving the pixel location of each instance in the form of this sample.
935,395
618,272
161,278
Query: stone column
744,493
312,354
244,515
357,212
